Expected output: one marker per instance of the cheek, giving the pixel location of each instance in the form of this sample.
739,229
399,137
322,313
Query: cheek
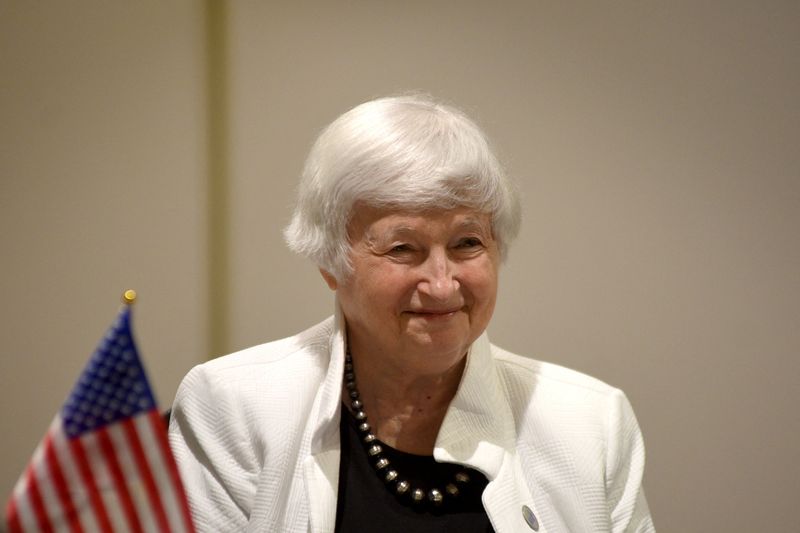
384,288
484,295
483,282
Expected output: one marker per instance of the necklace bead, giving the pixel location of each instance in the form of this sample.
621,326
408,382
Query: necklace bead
401,487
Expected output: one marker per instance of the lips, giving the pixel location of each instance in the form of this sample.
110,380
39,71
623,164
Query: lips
435,312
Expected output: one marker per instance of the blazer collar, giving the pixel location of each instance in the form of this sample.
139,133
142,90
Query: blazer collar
326,413
478,428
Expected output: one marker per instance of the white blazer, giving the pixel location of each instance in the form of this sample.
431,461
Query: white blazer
256,438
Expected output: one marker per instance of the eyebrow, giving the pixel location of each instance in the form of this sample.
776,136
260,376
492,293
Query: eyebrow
391,233
470,223
476,224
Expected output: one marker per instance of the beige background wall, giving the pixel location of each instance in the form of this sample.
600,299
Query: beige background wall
655,145
102,187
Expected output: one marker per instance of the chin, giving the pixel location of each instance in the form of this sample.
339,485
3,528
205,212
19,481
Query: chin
439,345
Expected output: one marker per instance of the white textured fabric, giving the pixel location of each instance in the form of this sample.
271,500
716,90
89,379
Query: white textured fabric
256,437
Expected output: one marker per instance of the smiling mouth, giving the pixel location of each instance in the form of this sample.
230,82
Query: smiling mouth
434,313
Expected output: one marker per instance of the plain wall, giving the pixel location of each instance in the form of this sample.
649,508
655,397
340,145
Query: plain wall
102,188
655,145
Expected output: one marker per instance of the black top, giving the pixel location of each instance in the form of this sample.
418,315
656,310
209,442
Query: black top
366,503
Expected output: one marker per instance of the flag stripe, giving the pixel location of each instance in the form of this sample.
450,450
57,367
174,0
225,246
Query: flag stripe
54,468
158,467
12,517
179,510
81,498
46,488
36,501
107,448
101,473
24,511
90,484
146,474
136,483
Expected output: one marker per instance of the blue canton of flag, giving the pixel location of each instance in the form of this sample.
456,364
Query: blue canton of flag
113,385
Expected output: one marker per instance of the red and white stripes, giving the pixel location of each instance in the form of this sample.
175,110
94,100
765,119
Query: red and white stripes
121,477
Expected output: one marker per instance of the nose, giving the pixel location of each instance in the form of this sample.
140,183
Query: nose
438,276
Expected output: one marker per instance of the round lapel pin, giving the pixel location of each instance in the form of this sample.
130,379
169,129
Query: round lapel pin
530,518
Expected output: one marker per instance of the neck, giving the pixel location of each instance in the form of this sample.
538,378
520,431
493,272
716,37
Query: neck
405,408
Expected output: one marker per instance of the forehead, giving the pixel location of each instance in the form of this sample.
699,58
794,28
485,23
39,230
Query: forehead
374,221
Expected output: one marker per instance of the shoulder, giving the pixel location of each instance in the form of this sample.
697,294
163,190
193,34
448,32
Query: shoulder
270,361
231,412
549,378
554,401
579,436
253,388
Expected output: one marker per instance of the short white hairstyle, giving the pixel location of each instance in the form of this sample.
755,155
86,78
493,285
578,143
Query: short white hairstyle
401,152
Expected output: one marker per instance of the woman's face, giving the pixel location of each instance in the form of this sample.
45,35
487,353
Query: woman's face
423,286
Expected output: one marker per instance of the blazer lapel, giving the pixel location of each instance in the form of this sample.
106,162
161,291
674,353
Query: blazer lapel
479,431
321,439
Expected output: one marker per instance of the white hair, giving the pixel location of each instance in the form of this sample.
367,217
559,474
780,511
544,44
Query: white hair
403,152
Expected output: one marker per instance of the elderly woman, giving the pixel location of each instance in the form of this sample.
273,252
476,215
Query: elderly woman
397,414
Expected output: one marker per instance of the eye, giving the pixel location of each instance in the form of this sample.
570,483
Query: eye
400,249
469,242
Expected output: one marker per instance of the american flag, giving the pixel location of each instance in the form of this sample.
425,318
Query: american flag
104,464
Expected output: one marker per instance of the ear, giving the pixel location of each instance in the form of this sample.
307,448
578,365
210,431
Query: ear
329,279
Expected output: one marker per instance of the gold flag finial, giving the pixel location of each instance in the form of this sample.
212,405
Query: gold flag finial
129,296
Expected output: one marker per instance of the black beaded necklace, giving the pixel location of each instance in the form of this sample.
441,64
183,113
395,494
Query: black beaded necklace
394,481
